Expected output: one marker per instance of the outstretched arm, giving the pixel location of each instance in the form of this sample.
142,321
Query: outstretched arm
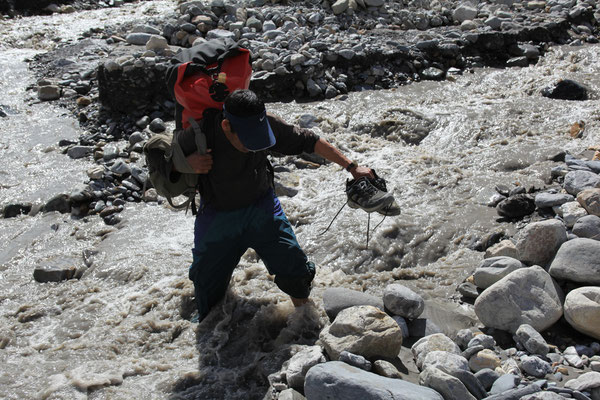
331,153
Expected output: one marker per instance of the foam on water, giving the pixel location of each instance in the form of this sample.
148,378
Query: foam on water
122,331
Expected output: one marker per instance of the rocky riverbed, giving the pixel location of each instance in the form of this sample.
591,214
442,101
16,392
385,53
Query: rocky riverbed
485,287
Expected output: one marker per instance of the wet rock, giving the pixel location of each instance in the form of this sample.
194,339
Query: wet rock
301,362
531,340
340,381
13,210
590,200
577,181
538,242
491,270
587,227
363,330
49,92
566,89
77,152
138,38
157,125
433,74
485,358
338,299
516,206
53,274
355,360
582,310
578,260
60,203
525,296
428,344
549,200
449,387
402,301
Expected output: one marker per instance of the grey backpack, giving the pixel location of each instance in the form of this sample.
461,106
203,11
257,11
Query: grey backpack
163,156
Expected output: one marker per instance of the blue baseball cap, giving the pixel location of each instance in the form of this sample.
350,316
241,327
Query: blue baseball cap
254,131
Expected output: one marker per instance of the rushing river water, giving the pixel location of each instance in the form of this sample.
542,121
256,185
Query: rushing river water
122,331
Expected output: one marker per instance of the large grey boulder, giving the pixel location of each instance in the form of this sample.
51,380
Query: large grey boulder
587,227
590,200
447,385
428,344
582,310
538,242
402,301
576,181
301,362
578,260
362,330
464,12
338,380
525,296
338,299
491,270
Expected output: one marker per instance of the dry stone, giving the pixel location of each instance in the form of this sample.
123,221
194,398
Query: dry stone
301,362
578,260
590,200
525,296
447,385
491,270
338,380
538,242
505,248
402,301
428,344
362,330
582,310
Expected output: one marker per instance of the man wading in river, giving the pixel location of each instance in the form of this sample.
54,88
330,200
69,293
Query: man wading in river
239,208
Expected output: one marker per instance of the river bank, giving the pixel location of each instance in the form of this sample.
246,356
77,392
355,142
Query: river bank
131,305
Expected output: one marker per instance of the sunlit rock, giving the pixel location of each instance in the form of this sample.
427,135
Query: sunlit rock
582,310
525,296
363,330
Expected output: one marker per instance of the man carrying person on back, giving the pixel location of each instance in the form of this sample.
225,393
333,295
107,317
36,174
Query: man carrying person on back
239,207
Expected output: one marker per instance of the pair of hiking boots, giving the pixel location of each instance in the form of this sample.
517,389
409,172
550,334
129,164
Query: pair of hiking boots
371,195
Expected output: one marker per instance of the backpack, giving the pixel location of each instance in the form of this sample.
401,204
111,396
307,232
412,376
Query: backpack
202,76
199,79
164,155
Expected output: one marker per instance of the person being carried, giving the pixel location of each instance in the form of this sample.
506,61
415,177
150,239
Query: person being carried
239,207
